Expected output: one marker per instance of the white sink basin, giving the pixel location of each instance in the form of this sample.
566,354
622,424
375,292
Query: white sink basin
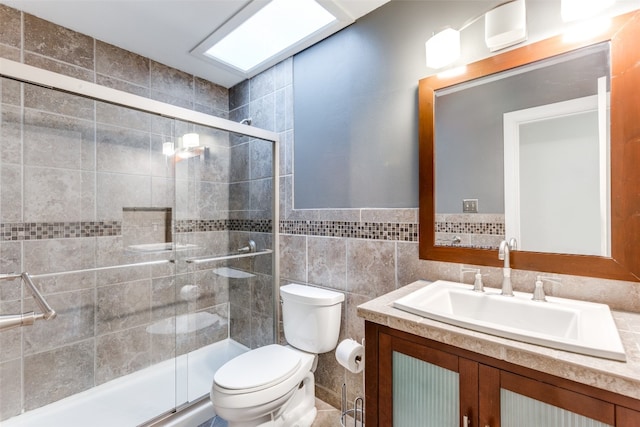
565,324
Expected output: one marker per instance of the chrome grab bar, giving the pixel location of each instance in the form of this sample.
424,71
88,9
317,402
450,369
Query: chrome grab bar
9,321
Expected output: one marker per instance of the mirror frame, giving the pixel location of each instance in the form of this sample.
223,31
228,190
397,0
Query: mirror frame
624,263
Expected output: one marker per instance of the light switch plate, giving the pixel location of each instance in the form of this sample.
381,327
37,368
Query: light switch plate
470,205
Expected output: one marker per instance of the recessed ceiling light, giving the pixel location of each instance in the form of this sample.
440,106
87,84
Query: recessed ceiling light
273,29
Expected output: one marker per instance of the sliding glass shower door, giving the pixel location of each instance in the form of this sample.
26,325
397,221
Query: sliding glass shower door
153,240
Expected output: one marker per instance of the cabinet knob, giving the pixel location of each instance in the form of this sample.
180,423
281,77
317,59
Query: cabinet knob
465,421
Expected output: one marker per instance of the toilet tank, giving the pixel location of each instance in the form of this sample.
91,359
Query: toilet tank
311,317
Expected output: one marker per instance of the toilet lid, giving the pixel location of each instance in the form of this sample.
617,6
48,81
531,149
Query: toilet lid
258,368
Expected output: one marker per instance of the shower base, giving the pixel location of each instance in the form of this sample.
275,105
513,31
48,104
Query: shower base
136,398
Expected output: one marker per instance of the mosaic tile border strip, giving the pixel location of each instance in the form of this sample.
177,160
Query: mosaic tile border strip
407,232
495,228
58,230
197,225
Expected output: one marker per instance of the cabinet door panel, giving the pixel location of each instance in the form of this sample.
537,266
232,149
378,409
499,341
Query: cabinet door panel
627,417
522,411
424,394
528,403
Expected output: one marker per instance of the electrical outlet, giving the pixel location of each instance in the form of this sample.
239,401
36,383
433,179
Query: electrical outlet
470,205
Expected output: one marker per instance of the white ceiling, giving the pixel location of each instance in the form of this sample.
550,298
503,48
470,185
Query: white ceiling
162,30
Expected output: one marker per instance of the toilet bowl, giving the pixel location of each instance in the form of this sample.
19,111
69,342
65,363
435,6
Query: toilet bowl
274,385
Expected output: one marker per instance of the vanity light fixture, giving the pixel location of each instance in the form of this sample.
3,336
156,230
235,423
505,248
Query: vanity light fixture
573,10
443,48
505,25
190,140
168,148
189,147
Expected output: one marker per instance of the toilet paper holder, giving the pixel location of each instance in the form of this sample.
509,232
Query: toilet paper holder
357,412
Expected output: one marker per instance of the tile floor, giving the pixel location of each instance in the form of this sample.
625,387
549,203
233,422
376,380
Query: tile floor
328,416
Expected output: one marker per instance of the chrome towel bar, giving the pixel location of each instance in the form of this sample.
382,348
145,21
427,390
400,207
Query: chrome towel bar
9,321
200,260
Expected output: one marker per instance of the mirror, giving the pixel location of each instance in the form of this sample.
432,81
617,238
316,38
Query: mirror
492,167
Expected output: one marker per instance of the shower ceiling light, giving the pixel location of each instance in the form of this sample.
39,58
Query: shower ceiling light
268,31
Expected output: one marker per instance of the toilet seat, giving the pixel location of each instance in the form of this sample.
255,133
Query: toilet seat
248,372
273,392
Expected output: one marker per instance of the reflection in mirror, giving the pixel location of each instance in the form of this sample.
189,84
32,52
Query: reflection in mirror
525,153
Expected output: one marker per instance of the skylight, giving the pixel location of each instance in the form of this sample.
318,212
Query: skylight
275,28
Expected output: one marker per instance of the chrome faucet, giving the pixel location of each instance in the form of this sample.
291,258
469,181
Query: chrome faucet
503,254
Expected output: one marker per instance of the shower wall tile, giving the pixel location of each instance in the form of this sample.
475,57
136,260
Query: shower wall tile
261,159
67,282
212,288
262,295
52,194
74,322
10,193
116,62
212,197
11,390
214,98
10,29
284,73
57,141
11,53
10,339
43,99
261,201
56,66
122,117
123,306
56,374
123,151
264,84
115,191
239,95
122,85
59,255
53,41
240,328
171,82
215,167
261,330
122,353
11,93
239,167
11,262
11,133
263,113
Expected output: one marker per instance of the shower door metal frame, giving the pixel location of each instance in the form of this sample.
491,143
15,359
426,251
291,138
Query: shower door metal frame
48,79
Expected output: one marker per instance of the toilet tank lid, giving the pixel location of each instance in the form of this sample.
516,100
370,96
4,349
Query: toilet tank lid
310,295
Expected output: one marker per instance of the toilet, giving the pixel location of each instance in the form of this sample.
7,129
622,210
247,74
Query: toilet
274,385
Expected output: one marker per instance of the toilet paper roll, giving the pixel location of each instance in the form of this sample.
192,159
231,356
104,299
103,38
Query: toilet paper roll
350,354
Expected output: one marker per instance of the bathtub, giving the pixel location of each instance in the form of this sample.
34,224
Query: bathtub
141,396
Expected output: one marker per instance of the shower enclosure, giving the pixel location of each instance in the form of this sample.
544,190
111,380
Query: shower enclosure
150,229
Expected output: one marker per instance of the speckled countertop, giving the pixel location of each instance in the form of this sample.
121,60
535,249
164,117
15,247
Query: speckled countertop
618,377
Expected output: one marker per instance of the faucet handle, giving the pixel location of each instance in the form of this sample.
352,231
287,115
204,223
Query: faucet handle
538,291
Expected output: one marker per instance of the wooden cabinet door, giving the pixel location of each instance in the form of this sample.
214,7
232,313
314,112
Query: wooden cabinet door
427,387
524,402
627,417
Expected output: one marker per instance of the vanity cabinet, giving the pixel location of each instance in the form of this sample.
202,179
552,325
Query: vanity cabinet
413,381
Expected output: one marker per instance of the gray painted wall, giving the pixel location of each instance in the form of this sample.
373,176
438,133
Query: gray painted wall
355,99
